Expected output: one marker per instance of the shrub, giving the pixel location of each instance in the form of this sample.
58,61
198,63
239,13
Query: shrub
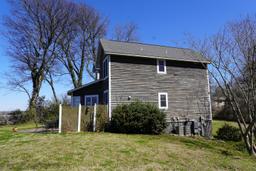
18,116
3,120
69,118
46,112
229,133
101,118
137,117
86,118
225,113
50,115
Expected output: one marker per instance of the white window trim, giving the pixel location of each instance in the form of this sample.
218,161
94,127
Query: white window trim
161,72
106,91
90,96
106,59
159,100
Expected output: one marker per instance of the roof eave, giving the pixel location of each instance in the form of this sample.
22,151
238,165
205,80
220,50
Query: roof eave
70,92
156,57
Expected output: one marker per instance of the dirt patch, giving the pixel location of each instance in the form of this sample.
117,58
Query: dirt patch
38,130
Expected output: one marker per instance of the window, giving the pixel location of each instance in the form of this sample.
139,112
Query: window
161,66
75,100
105,67
90,100
105,97
163,100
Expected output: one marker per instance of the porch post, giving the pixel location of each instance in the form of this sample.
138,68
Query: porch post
94,117
79,118
60,117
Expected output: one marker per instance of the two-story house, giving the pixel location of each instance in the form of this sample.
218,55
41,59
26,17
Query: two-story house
175,79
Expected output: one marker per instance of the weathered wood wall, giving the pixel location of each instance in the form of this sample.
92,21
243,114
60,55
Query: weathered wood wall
93,89
185,82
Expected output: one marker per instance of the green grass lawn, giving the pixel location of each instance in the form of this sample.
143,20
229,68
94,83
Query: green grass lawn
106,151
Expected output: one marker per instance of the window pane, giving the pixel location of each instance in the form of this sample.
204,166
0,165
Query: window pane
88,101
161,62
105,68
76,100
103,74
161,68
163,100
161,65
94,100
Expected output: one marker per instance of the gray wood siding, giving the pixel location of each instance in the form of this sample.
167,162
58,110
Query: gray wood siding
94,89
185,83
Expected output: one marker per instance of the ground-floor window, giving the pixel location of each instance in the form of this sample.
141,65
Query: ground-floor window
163,100
105,97
75,100
90,100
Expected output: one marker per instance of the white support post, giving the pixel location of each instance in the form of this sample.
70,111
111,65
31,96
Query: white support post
79,119
60,117
94,117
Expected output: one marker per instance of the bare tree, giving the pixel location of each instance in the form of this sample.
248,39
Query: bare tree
49,78
79,43
33,31
127,32
18,84
233,55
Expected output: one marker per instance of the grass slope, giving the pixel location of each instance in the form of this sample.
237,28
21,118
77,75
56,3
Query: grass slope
106,151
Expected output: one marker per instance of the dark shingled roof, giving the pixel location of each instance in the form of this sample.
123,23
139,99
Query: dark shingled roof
111,47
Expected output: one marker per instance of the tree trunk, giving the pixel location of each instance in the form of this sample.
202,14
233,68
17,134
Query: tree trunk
37,83
253,152
35,95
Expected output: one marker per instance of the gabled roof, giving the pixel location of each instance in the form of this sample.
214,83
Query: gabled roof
111,47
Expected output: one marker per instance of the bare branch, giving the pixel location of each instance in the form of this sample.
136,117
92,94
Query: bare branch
127,32
233,55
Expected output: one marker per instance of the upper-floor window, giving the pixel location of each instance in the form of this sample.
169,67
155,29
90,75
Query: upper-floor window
161,66
105,67
163,100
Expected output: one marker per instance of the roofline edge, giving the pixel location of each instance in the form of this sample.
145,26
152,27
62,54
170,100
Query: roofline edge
154,57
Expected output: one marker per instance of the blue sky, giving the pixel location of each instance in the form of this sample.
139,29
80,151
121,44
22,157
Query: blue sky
159,22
